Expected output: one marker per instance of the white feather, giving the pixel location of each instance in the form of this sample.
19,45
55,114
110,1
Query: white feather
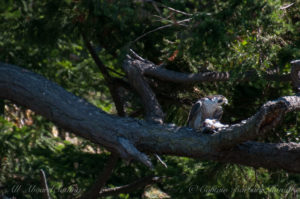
214,124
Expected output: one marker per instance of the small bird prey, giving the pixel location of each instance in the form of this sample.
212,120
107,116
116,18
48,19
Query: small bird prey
209,107
212,126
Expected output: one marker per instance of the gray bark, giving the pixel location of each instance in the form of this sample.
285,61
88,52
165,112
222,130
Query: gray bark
295,75
133,138
159,72
134,71
210,76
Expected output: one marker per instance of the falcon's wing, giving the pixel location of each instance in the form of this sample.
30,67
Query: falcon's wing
218,113
195,109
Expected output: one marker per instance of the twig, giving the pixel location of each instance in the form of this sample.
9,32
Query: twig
96,58
286,6
171,9
130,187
101,180
137,56
46,194
160,18
116,72
255,178
161,161
151,31
155,7
176,11
160,28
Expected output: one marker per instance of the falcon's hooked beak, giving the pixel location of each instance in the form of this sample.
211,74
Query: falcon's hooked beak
223,101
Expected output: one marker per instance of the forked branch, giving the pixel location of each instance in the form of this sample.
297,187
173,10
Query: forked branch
135,72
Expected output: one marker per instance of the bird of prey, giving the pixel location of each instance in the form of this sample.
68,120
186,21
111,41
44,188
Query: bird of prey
209,107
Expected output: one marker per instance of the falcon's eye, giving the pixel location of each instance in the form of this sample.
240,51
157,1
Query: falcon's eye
220,100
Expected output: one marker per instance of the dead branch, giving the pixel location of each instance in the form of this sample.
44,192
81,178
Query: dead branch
295,75
152,107
152,70
109,81
46,194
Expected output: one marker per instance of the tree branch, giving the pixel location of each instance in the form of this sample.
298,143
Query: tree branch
176,11
135,75
130,137
94,191
268,155
171,9
130,187
267,118
152,70
66,110
295,75
46,194
109,81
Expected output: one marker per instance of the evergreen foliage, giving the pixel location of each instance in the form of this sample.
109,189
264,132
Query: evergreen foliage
234,35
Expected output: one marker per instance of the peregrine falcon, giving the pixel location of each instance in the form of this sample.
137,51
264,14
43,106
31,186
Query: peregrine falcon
209,107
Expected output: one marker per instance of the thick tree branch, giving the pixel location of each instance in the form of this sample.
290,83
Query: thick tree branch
267,118
130,187
129,136
66,110
269,155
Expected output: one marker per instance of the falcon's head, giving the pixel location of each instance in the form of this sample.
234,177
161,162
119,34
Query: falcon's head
218,99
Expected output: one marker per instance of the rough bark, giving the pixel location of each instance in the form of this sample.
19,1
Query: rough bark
66,110
129,136
161,73
189,78
134,72
254,154
295,75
